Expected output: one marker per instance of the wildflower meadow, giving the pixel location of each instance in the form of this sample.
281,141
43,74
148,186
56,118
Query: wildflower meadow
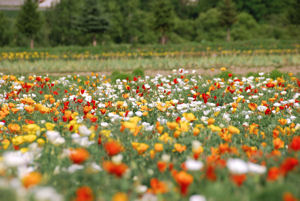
182,136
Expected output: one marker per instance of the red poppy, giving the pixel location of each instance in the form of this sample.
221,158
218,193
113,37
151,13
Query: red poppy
84,193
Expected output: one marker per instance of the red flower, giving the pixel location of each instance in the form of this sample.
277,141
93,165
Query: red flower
238,179
288,165
162,166
268,111
295,144
273,173
210,173
84,193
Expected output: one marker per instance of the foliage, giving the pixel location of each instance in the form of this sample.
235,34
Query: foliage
163,18
92,20
4,30
29,20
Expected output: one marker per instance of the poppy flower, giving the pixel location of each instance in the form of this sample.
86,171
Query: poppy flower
84,193
158,187
32,179
295,144
184,180
112,148
115,169
79,155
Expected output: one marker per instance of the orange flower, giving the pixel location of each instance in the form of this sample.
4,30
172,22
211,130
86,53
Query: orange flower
14,128
158,187
84,193
295,144
282,121
210,121
184,180
112,148
172,125
196,131
179,148
158,147
79,155
252,106
116,169
287,196
238,179
120,196
32,179
278,143
29,109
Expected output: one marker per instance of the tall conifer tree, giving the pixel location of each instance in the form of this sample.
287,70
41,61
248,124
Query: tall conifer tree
29,21
164,18
93,20
228,15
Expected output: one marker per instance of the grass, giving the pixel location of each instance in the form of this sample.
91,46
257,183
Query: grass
110,65
190,46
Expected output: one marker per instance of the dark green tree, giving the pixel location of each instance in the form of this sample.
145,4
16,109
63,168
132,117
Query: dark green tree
29,21
63,19
4,30
163,18
93,20
228,15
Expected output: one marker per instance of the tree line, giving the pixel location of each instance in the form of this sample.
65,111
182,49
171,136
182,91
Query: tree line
90,22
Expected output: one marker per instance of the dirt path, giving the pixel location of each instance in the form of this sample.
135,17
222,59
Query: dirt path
201,71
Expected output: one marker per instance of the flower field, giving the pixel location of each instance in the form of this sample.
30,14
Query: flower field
176,137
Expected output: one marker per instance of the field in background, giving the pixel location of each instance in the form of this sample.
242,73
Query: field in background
254,55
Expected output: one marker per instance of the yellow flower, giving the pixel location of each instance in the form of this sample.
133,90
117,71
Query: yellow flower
41,141
233,130
17,140
29,138
223,69
189,116
49,126
214,128
5,143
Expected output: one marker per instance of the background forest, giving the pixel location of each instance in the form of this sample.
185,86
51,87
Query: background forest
87,22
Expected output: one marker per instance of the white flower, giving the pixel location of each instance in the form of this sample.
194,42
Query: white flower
149,197
258,169
261,108
54,137
118,158
197,198
193,165
237,166
196,144
73,168
141,188
83,130
138,113
47,194
15,159
166,157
